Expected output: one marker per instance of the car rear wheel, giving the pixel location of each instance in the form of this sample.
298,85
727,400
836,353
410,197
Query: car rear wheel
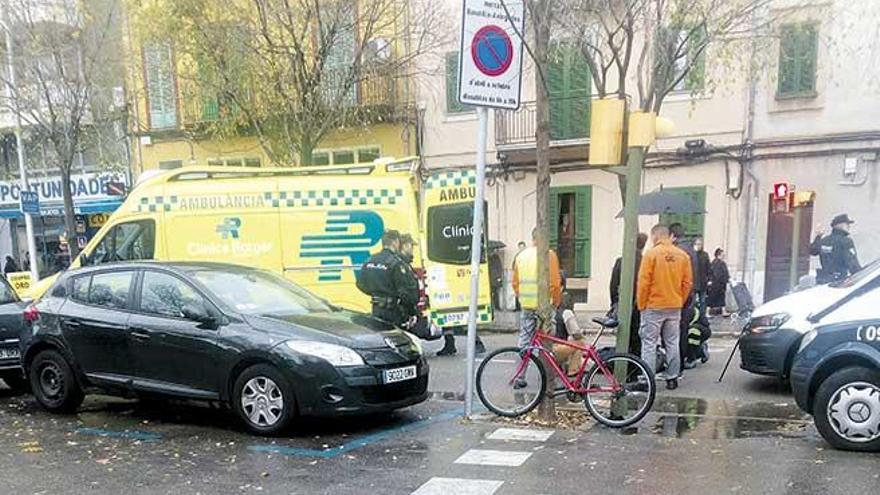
54,384
263,399
847,409
15,380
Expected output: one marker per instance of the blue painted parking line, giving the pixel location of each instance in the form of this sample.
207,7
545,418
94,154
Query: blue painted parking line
358,442
144,436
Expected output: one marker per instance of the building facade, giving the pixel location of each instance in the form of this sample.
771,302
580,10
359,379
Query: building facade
803,115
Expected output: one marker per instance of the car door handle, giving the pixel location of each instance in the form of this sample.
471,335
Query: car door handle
140,335
71,323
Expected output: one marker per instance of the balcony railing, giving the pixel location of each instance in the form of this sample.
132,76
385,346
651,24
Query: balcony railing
569,120
374,98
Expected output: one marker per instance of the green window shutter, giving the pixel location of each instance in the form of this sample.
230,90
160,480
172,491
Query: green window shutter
696,78
159,75
554,218
583,230
452,103
569,83
693,222
798,53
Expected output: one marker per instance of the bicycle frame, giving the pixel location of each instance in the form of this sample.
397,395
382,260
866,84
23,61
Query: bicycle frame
587,351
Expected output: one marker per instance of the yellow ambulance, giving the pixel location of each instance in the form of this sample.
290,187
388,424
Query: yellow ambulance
314,225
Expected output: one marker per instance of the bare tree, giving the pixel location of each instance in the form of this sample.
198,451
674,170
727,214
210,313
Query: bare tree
291,72
65,73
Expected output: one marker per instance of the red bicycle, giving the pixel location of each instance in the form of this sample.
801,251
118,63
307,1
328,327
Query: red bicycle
618,390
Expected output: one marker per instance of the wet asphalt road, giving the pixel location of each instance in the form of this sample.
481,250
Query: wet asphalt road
745,442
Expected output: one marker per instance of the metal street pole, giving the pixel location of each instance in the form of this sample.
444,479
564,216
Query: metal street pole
795,247
476,255
19,146
635,158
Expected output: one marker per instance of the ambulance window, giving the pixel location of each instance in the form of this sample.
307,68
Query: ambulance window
343,157
449,234
126,242
320,158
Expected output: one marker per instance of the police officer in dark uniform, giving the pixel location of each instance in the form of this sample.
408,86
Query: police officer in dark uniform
385,278
836,251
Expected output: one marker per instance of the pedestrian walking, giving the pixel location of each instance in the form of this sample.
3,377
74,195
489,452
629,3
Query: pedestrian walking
701,276
665,282
677,235
635,343
836,251
719,276
525,284
11,266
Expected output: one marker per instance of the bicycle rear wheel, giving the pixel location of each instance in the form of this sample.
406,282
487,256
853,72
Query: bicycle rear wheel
628,405
510,384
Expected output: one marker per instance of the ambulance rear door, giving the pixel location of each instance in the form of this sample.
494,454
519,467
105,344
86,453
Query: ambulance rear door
447,221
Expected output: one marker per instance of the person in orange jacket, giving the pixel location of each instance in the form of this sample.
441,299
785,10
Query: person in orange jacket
665,282
525,285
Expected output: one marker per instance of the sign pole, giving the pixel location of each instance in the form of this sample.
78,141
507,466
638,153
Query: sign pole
476,256
19,147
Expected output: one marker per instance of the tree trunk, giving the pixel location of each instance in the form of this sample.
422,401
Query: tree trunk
541,21
305,154
69,214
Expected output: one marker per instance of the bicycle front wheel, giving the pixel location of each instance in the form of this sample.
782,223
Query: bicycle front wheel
511,382
626,404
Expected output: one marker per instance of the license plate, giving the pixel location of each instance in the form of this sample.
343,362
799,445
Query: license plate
9,353
455,318
399,374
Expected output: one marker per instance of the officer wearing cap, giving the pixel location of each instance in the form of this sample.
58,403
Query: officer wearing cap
836,251
387,280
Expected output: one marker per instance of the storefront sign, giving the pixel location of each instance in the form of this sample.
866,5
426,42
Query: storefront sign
97,220
20,281
82,186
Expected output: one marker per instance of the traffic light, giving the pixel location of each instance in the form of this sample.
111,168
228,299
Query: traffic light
781,197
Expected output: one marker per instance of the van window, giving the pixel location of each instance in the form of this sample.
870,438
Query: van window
126,242
449,234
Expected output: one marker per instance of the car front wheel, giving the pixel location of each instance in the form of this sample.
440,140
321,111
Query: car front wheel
263,399
53,382
847,409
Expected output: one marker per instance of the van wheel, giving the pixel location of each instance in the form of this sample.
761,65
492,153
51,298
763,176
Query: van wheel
54,383
15,380
263,399
847,409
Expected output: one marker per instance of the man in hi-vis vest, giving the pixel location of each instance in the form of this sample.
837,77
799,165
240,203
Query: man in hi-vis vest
525,284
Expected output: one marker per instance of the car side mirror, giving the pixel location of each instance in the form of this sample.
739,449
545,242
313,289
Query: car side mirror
199,313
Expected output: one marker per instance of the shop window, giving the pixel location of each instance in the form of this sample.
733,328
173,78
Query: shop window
126,242
571,234
692,222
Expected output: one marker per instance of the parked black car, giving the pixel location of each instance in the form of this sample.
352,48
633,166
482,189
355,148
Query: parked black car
11,322
239,336
836,378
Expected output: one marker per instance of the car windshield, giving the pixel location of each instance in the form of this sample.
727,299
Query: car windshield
258,293
867,271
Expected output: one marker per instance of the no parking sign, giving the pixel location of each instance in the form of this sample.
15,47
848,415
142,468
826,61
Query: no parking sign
490,61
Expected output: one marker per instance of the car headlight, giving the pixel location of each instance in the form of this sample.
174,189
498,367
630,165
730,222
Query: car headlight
808,338
336,355
768,323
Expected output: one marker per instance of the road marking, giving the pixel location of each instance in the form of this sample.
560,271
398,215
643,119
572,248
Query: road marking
493,458
458,486
519,434
356,443
144,436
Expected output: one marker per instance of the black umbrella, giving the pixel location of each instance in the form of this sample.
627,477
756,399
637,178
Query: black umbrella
660,201
494,245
